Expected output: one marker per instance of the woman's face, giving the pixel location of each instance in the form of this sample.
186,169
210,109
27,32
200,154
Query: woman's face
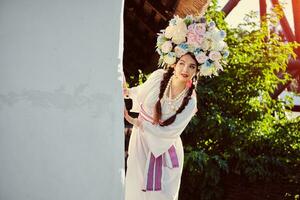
185,68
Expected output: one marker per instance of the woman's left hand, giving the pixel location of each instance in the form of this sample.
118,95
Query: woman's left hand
134,121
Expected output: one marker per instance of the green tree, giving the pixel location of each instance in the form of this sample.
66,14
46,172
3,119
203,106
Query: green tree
239,128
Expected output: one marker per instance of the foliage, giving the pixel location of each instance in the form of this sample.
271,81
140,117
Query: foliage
141,78
239,128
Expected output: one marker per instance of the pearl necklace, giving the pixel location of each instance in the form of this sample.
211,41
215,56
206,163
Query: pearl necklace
173,103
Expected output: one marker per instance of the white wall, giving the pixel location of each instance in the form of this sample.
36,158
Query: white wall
61,122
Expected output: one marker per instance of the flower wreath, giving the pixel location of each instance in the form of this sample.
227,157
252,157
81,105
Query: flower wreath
194,35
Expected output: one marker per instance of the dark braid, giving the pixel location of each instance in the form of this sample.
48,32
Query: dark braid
157,110
163,86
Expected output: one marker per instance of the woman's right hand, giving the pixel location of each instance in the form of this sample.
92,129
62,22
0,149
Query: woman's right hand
125,92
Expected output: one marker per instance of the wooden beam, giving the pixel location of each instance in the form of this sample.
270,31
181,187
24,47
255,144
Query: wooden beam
296,14
285,24
294,70
231,4
296,108
262,10
191,7
138,15
165,13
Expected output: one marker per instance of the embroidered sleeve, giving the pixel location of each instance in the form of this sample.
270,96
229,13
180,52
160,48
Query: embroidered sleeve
138,93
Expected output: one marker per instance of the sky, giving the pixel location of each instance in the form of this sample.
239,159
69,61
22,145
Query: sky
245,6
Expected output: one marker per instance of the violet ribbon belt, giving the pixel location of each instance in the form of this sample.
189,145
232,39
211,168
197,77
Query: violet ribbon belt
154,166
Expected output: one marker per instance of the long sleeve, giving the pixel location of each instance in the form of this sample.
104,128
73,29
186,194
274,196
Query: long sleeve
160,138
138,93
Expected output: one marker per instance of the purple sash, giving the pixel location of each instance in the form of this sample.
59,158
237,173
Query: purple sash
154,166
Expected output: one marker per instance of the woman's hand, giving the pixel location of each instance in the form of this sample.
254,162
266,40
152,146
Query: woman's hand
125,89
125,92
134,121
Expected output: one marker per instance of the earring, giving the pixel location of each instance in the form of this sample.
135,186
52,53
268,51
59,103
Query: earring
189,83
174,74
194,79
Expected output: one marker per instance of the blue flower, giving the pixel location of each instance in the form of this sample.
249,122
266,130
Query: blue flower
172,21
184,46
212,24
207,64
171,54
197,51
226,54
202,20
189,17
222,33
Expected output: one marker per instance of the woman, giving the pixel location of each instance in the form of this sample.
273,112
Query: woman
155,151
166,102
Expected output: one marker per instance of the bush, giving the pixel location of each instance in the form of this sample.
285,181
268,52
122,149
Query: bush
239,128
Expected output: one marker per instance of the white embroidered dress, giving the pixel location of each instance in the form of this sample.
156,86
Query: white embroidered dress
155,161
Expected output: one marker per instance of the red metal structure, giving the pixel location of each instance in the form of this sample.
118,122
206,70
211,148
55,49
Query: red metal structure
293,65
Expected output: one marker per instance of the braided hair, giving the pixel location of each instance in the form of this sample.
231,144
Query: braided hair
163,86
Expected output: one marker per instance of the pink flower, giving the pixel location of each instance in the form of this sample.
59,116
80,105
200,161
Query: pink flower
194,39
198,29
201,57
195,34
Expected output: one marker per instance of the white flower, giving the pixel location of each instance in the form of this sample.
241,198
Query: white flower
215,72
176,19
205,70
218,66
208,35
201,57
177,39
177,31
216,35
170,58
170,31
191,48
160,40
218,46
159,51
179,51
215,55
166,47
180,31
205,45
